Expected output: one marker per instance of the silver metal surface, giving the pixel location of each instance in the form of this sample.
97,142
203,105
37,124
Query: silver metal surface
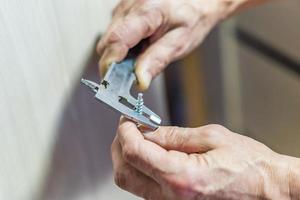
114,91
93,86
140,103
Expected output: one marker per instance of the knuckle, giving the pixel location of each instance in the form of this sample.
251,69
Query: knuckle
115,35
174,135
190,15
156,64
149,8
187,15
214,131
160,61
129,154
122,8
182,187
149,24
171,133
151,14
179,186
123,128
178,48
218,127
120,32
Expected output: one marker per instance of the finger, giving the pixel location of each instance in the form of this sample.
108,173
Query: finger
125,34
111,54
122,8
129,178
146,156
189,140
144,129
158,55
103,40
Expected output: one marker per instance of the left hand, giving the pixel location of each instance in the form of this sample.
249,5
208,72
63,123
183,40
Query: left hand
208,162
172,29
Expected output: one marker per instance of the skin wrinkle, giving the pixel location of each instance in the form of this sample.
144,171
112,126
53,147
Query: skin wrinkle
271,174
173,137
172,23
290,183
152,171
260,188
122,9
224,165
292,166
293,175
151,20
237,174
221,178
186,139
200,185
226,192
183,15
265,177
115,35
181,138
127,171
181,185
129,25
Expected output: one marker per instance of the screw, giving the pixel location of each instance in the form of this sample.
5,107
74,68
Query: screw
139,104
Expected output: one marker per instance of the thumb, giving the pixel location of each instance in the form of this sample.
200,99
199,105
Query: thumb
158,55
189,140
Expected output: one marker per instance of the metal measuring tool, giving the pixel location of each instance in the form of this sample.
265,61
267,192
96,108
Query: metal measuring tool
114,91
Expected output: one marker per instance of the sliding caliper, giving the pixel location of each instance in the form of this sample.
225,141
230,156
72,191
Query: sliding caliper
114,91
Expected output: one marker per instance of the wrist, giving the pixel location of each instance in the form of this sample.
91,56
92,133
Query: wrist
291,167
282,178
273,183
227,8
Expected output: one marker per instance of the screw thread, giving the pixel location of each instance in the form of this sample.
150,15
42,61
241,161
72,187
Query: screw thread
139,104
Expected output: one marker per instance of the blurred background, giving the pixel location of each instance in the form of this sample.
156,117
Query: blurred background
55,138
245,76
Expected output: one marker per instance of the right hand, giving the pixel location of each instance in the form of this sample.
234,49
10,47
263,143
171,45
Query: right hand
173,29
208,162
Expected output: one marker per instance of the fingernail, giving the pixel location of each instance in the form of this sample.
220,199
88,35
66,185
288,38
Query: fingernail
112,58
105,64
144,79
142,128
148,133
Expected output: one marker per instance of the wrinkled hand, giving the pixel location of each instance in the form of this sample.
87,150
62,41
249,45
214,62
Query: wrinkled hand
208,162
173,29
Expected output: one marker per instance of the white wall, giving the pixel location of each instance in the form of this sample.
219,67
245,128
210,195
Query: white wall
54,137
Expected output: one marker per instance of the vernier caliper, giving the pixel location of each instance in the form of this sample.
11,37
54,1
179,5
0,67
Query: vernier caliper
114,90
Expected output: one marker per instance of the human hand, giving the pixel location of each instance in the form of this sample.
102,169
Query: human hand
208,162
173,29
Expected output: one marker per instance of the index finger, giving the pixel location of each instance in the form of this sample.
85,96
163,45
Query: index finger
124,34
145,155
